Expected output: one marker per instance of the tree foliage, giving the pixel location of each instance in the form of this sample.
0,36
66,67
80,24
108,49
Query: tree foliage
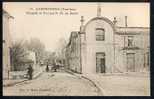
38,47
61,47
17,53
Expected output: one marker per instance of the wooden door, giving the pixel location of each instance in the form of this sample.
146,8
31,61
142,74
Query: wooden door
102,65
130,62
100,62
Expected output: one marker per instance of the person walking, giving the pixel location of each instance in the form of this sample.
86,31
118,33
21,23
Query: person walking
47,68
55,67
30,72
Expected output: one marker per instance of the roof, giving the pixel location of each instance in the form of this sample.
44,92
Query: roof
132,30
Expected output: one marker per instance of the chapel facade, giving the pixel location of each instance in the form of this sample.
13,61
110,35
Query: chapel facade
100,46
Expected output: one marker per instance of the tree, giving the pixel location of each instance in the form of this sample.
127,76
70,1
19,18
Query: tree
38,47
61,47
17,54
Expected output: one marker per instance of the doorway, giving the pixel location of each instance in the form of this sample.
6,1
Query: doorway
130,62
147,61
100,62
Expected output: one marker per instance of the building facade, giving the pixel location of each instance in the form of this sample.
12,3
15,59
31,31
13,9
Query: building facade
100,46
32,57
6,44
73,53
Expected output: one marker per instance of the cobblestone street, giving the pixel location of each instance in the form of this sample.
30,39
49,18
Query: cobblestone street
53,84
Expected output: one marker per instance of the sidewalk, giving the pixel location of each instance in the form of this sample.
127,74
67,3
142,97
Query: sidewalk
99,90
130,84
121,84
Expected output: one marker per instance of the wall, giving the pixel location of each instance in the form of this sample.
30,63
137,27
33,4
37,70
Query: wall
141,41
6,46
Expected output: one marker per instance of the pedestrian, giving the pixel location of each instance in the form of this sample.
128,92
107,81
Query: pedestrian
47,68
30,72
55,68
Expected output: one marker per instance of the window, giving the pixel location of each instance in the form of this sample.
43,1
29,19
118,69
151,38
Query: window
130,41
100,34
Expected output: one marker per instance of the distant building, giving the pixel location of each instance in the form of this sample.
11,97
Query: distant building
32,56
6,44
102,47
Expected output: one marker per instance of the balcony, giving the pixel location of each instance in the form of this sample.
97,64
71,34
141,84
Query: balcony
131,48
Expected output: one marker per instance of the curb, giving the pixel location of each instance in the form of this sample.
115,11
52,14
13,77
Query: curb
12,84
37,75
100,91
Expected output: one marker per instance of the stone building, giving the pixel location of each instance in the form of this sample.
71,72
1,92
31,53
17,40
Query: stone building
6,44
100,46
73,61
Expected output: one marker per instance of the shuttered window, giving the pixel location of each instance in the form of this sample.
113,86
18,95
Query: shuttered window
100,34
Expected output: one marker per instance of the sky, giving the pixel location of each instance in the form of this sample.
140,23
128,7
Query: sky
51,25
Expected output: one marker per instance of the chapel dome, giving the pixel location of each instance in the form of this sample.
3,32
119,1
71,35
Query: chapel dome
99,18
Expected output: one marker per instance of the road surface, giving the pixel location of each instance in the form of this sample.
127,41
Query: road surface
53,84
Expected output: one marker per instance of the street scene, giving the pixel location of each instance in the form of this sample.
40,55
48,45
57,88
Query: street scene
76,49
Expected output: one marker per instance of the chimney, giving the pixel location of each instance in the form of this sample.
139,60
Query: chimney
98,10
82,20
126,21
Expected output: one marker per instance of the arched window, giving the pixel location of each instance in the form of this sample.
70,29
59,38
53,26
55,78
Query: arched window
100,34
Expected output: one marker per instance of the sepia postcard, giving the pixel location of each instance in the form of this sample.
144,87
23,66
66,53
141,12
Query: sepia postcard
76,49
